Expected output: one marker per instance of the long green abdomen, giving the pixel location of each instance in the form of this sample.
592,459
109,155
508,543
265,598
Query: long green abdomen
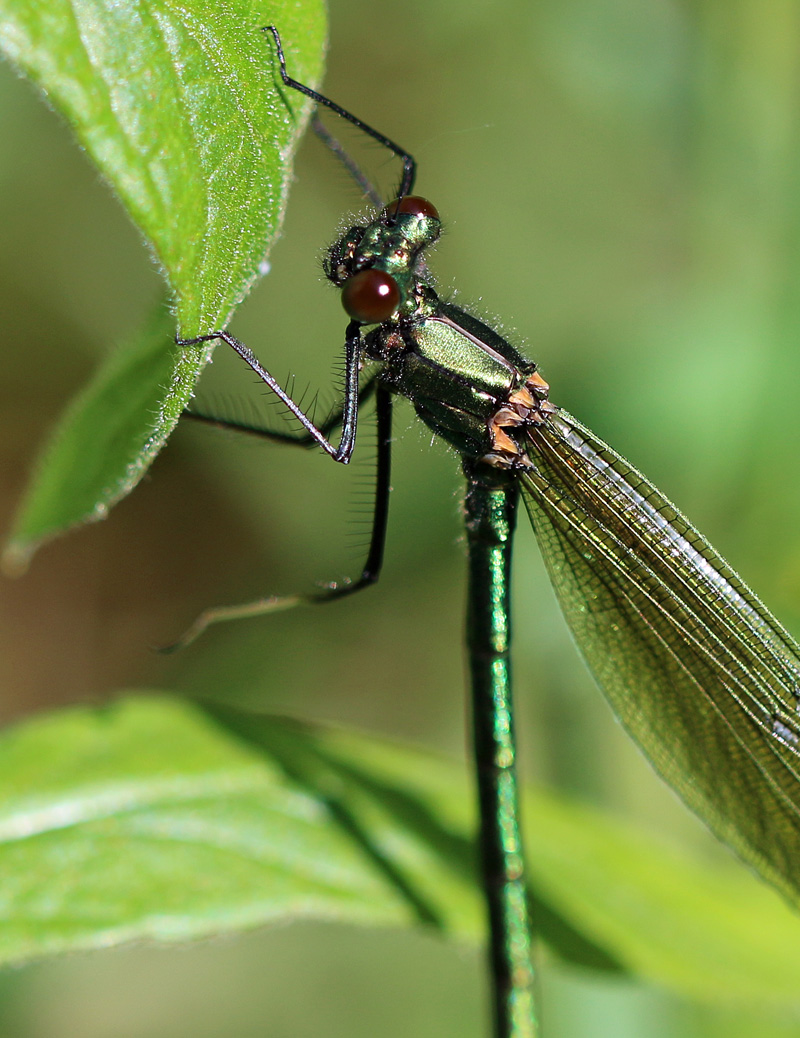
490,509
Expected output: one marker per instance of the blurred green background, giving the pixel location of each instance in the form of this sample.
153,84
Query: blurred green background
619,181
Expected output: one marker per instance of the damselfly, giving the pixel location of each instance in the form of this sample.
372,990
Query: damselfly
699,672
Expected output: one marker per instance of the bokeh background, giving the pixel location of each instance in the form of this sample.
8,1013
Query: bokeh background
619,181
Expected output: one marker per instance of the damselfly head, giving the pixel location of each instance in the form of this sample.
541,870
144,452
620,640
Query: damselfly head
377,264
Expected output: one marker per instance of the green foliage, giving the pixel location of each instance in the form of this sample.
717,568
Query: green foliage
143,820
702,930
108,436
181,114
155,819
179,111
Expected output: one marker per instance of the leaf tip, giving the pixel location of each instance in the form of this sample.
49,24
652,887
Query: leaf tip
16,558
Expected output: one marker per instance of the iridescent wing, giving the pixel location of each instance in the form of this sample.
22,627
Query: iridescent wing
701,675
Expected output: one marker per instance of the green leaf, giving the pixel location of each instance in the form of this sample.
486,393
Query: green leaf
393,817
150,820
177,106
179,109
107,437
144,820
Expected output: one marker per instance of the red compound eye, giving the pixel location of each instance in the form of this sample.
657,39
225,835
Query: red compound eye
413,205
371,296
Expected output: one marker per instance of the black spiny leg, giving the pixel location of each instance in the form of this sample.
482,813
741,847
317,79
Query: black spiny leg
409,165
303,439
380,516
341,453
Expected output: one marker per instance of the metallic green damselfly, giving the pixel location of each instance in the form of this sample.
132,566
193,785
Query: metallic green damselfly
700,673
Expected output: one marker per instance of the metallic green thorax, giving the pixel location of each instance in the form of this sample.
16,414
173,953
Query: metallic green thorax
457,371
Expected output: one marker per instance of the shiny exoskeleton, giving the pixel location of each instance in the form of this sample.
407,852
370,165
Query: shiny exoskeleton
465,381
